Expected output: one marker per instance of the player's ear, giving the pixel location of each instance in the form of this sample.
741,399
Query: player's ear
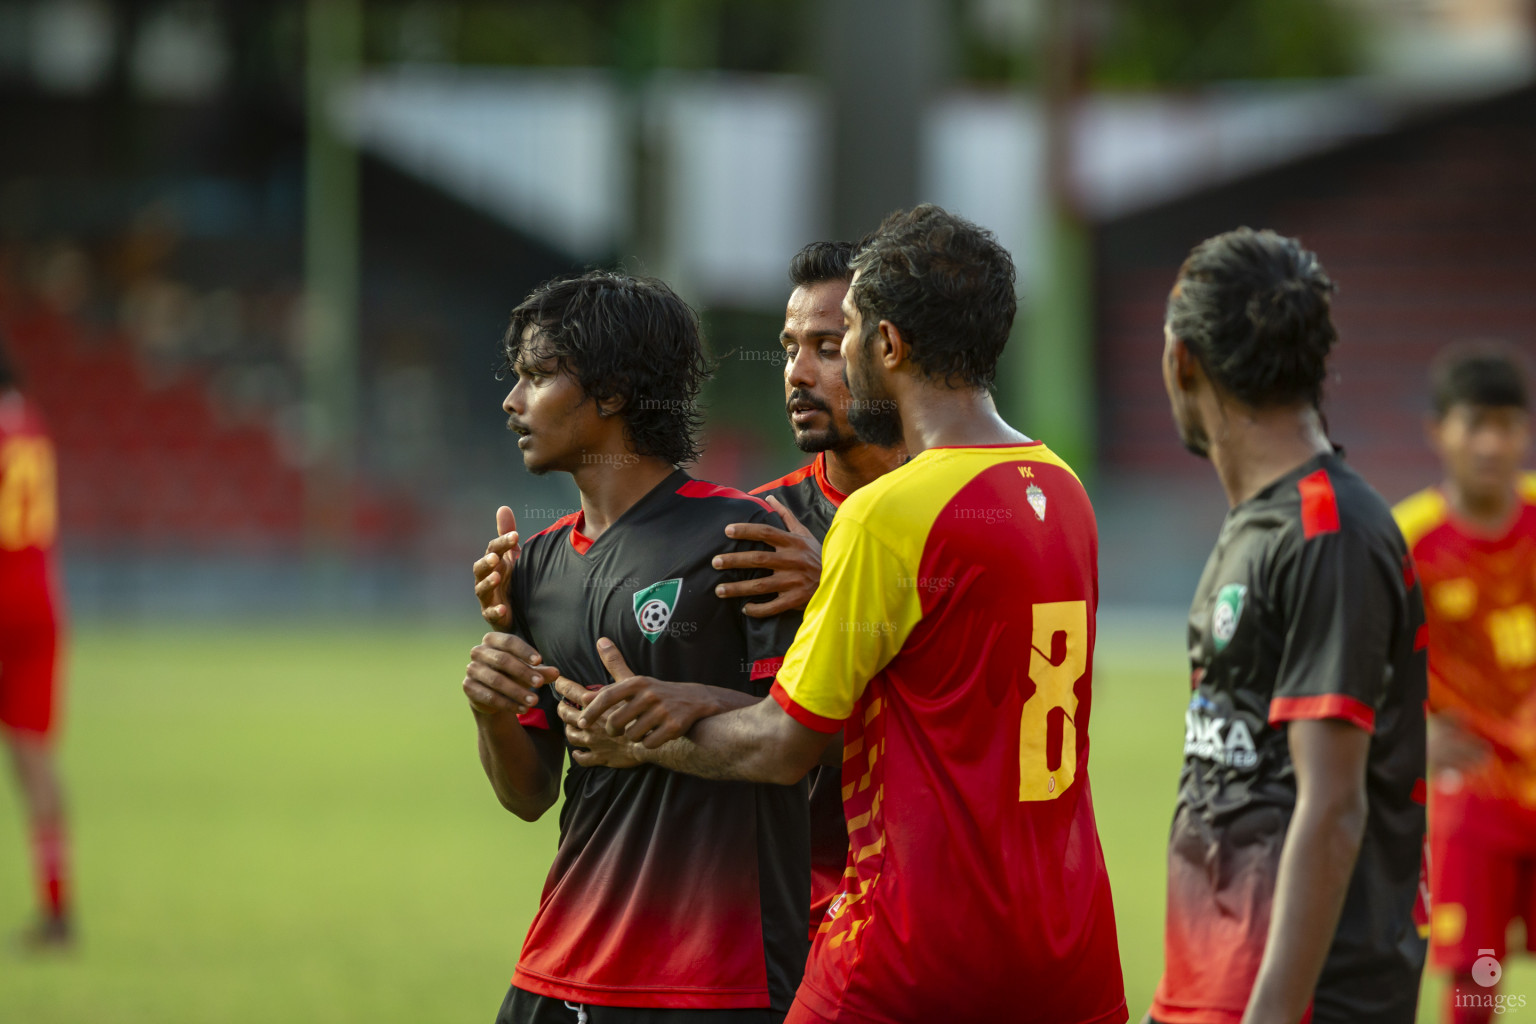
1180,365
890,347
611,406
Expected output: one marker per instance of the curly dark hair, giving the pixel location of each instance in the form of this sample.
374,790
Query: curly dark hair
947,284
627,337
1256,309
821,262
1486,373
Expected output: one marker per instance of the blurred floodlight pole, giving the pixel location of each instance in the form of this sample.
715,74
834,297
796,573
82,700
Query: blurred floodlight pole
1056,330
883,60
333,34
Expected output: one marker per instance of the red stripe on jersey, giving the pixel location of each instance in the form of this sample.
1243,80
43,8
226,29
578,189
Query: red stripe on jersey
816,469
809,719
788,480
1319,506
1410,575
705,489
1331,705
766,668
1421,638
1420,793
579,541
565,520
835,496
533,719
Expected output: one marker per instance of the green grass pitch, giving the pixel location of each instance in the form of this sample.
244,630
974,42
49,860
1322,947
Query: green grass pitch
290,824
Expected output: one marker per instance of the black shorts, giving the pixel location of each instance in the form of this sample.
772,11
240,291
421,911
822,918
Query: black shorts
522,1007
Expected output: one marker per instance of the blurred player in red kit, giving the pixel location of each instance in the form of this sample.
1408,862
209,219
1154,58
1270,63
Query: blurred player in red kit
30,624
1474,542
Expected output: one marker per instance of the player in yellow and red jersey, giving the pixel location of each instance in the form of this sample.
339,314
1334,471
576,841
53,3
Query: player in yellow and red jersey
30,622
951,641
1473,539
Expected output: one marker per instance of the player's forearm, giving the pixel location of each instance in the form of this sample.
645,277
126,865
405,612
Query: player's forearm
512,764
1316,864
734,747
722,699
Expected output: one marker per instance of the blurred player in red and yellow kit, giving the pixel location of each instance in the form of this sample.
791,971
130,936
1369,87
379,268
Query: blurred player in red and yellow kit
29,634
1474,542
950,641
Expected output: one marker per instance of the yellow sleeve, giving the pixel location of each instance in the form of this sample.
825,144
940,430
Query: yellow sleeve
1528,488
1418,514
860,616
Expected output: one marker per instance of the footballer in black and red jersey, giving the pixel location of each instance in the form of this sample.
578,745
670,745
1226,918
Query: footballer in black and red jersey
670,897
1295,864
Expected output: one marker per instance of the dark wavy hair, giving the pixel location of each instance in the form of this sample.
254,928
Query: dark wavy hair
947,284
621,337
1485,373
1257,310
821,262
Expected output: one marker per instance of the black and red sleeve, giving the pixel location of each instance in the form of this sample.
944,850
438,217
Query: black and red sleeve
1342,603
542,715
767,639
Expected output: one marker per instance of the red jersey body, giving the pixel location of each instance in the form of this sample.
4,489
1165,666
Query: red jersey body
28,525
1480,602
951,640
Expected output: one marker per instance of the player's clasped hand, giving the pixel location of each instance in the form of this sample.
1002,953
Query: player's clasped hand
639,708
503,673
591,747
493,572
633,710
795,562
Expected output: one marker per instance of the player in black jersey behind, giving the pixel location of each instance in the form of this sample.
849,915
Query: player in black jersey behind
1296,853
671,899
816,401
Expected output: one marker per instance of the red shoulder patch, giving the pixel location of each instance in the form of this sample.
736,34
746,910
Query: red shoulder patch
705,489
1319,505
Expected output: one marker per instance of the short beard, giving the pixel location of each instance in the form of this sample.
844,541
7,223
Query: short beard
829,440
872,412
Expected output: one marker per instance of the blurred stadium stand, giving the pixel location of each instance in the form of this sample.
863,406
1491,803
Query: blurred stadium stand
154,307
1429,232
151,242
